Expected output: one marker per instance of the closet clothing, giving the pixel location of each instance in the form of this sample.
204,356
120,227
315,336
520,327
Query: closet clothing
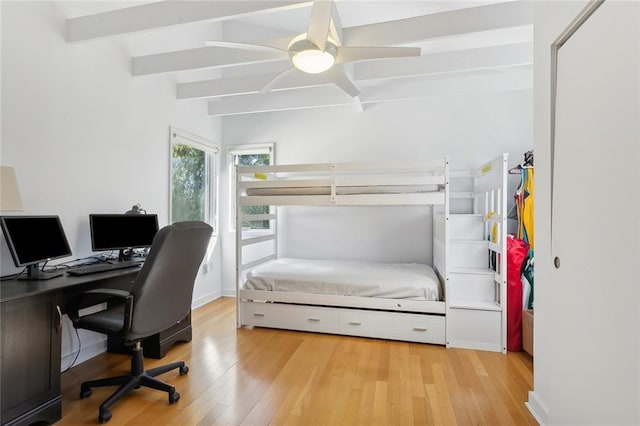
524,203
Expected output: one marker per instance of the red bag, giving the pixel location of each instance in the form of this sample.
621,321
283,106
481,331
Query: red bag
517,252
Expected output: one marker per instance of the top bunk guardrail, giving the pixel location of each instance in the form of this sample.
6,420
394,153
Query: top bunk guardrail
344,184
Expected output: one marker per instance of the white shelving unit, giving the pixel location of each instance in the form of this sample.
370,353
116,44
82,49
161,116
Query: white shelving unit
475,293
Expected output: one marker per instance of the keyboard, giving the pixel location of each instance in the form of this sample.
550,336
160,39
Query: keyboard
102,267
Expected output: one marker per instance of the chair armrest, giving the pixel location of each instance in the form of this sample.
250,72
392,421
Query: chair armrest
123,295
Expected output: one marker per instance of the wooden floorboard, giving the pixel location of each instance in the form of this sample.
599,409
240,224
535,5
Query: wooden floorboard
264,376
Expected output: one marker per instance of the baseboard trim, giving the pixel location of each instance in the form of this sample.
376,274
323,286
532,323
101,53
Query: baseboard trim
196,303
537,408
228,292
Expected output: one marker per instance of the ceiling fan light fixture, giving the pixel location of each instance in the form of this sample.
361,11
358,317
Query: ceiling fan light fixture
313,61
306,56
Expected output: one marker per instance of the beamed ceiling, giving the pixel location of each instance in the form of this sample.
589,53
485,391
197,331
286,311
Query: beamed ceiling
466,47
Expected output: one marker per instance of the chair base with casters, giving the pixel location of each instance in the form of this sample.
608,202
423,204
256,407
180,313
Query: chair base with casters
137,378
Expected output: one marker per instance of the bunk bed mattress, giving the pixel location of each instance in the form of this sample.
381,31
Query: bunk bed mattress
343,190
412,281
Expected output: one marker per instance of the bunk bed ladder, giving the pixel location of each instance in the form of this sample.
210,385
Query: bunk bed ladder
476,291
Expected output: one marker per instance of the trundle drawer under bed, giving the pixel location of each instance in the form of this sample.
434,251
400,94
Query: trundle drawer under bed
411,327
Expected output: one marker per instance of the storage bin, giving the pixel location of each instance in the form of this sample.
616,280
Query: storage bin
527,331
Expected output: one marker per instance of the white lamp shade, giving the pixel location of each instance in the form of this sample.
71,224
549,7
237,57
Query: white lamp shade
9,193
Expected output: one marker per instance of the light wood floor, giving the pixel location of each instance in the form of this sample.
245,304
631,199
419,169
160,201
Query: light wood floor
264,376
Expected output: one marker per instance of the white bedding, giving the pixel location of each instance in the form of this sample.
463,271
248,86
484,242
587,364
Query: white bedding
413,281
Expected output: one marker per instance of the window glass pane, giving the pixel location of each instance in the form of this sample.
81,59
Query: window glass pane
254,160
190,184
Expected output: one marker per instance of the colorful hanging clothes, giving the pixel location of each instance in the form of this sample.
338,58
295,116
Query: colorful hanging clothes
524,204
524,215
524,208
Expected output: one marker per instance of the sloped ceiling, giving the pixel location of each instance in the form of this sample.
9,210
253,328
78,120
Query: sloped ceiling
466,47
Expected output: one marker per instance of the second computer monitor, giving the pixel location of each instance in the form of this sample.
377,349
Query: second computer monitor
122,231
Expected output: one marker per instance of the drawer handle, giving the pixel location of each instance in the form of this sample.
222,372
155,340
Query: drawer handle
314,319
419,328
258,314
355,323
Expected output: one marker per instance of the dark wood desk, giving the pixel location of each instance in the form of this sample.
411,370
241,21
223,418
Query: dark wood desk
30,341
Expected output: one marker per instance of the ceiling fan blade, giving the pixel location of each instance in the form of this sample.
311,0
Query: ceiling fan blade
320,22
335,28
280,77
337,75
348,54
281,43
243,46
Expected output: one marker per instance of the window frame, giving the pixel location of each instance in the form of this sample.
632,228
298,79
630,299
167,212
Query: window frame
211,149
246,149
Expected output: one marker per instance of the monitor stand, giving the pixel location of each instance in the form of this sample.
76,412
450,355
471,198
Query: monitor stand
34,273
125,255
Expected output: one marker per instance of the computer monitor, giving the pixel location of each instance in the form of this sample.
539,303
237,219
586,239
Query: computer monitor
122,232
35,239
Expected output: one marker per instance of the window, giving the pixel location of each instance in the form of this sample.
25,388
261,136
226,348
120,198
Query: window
193,167
249,155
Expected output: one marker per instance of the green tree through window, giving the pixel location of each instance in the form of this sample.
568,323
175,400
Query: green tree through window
189,174
254,160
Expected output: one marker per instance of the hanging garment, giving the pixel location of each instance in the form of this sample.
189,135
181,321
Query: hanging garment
519,203
517,252
524,206
527,208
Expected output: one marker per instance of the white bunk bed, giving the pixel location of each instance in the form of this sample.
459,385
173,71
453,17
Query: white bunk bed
374,308
469,309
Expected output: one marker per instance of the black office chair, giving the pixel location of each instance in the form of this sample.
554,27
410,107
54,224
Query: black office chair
160,297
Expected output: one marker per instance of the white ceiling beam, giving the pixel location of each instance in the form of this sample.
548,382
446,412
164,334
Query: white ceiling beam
166,13
242,85
281,101
499,81
494,57
202,57
460,61
323,97
443,24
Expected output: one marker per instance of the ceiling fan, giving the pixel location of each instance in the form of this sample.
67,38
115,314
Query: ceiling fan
319,50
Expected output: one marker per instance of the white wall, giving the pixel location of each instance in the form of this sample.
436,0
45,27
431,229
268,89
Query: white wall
470,129
84,135
587,337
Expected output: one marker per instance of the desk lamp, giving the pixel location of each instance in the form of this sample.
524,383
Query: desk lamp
10,200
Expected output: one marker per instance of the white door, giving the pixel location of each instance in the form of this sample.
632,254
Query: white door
596,220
